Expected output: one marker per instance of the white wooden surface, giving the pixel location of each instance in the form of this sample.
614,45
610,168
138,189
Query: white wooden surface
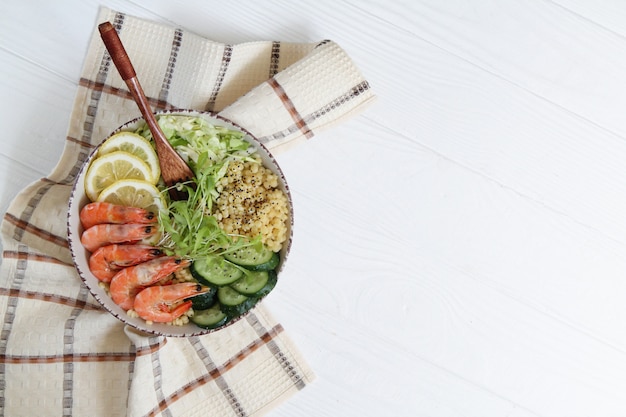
462,249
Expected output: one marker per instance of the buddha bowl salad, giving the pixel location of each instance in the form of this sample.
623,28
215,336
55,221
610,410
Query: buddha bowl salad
225,239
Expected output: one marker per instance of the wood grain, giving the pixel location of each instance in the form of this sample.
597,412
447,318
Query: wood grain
459,248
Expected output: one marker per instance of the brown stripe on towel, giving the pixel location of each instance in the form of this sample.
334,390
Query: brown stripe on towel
80,142
289,369
68,349
274,59
324,42
228,51
103,72
339,101
169,72
266,337
155,344
82,156
157,373
131,367
21,223
7,324
23,226
279,135
293,112
11,254
119,92
73,358
51,298
332,105
214,372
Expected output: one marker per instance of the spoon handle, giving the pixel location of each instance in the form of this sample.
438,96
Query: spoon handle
122,62
116,49
173,168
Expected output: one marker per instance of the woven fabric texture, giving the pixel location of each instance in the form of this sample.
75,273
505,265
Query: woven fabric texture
61,353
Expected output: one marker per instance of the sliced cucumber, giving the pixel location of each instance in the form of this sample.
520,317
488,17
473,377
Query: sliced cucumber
210,318
239,309
267,266
229,297
213,270
254,257
272,278
251,282
204,301
233,303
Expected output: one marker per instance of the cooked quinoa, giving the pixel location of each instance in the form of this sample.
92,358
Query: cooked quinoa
183,275
105,287
250,202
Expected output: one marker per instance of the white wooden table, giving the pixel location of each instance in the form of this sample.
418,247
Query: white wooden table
462,250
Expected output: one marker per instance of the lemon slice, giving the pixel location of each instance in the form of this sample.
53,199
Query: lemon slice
137,145
133,193
107,169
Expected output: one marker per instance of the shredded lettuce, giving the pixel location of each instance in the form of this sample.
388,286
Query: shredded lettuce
189,229
200,143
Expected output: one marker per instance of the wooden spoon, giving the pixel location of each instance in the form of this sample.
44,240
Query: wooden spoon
173,168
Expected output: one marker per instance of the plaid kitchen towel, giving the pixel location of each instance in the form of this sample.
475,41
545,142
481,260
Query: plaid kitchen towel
60,352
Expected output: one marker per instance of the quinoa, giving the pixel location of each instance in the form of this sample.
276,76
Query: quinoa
182,320
251,203
105,286
132,313
183,275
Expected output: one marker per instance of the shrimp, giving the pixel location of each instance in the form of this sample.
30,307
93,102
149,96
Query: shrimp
108,260
106,234
129,281
160,304
102,212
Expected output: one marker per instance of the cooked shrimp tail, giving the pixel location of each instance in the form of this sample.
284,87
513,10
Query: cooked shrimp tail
108,260
106,234
162,304
102,212
129,281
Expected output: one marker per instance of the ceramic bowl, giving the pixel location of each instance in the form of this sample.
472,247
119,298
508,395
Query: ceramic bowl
80,255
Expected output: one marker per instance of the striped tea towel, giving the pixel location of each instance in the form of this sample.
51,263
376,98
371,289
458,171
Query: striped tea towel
60,352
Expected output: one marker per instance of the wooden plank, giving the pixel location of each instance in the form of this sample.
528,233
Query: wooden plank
459,248
374,377
46,102
611,15
474,268
540,46
490,124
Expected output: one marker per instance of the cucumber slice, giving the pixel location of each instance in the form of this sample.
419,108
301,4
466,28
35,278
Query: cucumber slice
229,297
254,257
272,278
267,266
239,309
213,270
233,303
251,282
204,301
210,318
